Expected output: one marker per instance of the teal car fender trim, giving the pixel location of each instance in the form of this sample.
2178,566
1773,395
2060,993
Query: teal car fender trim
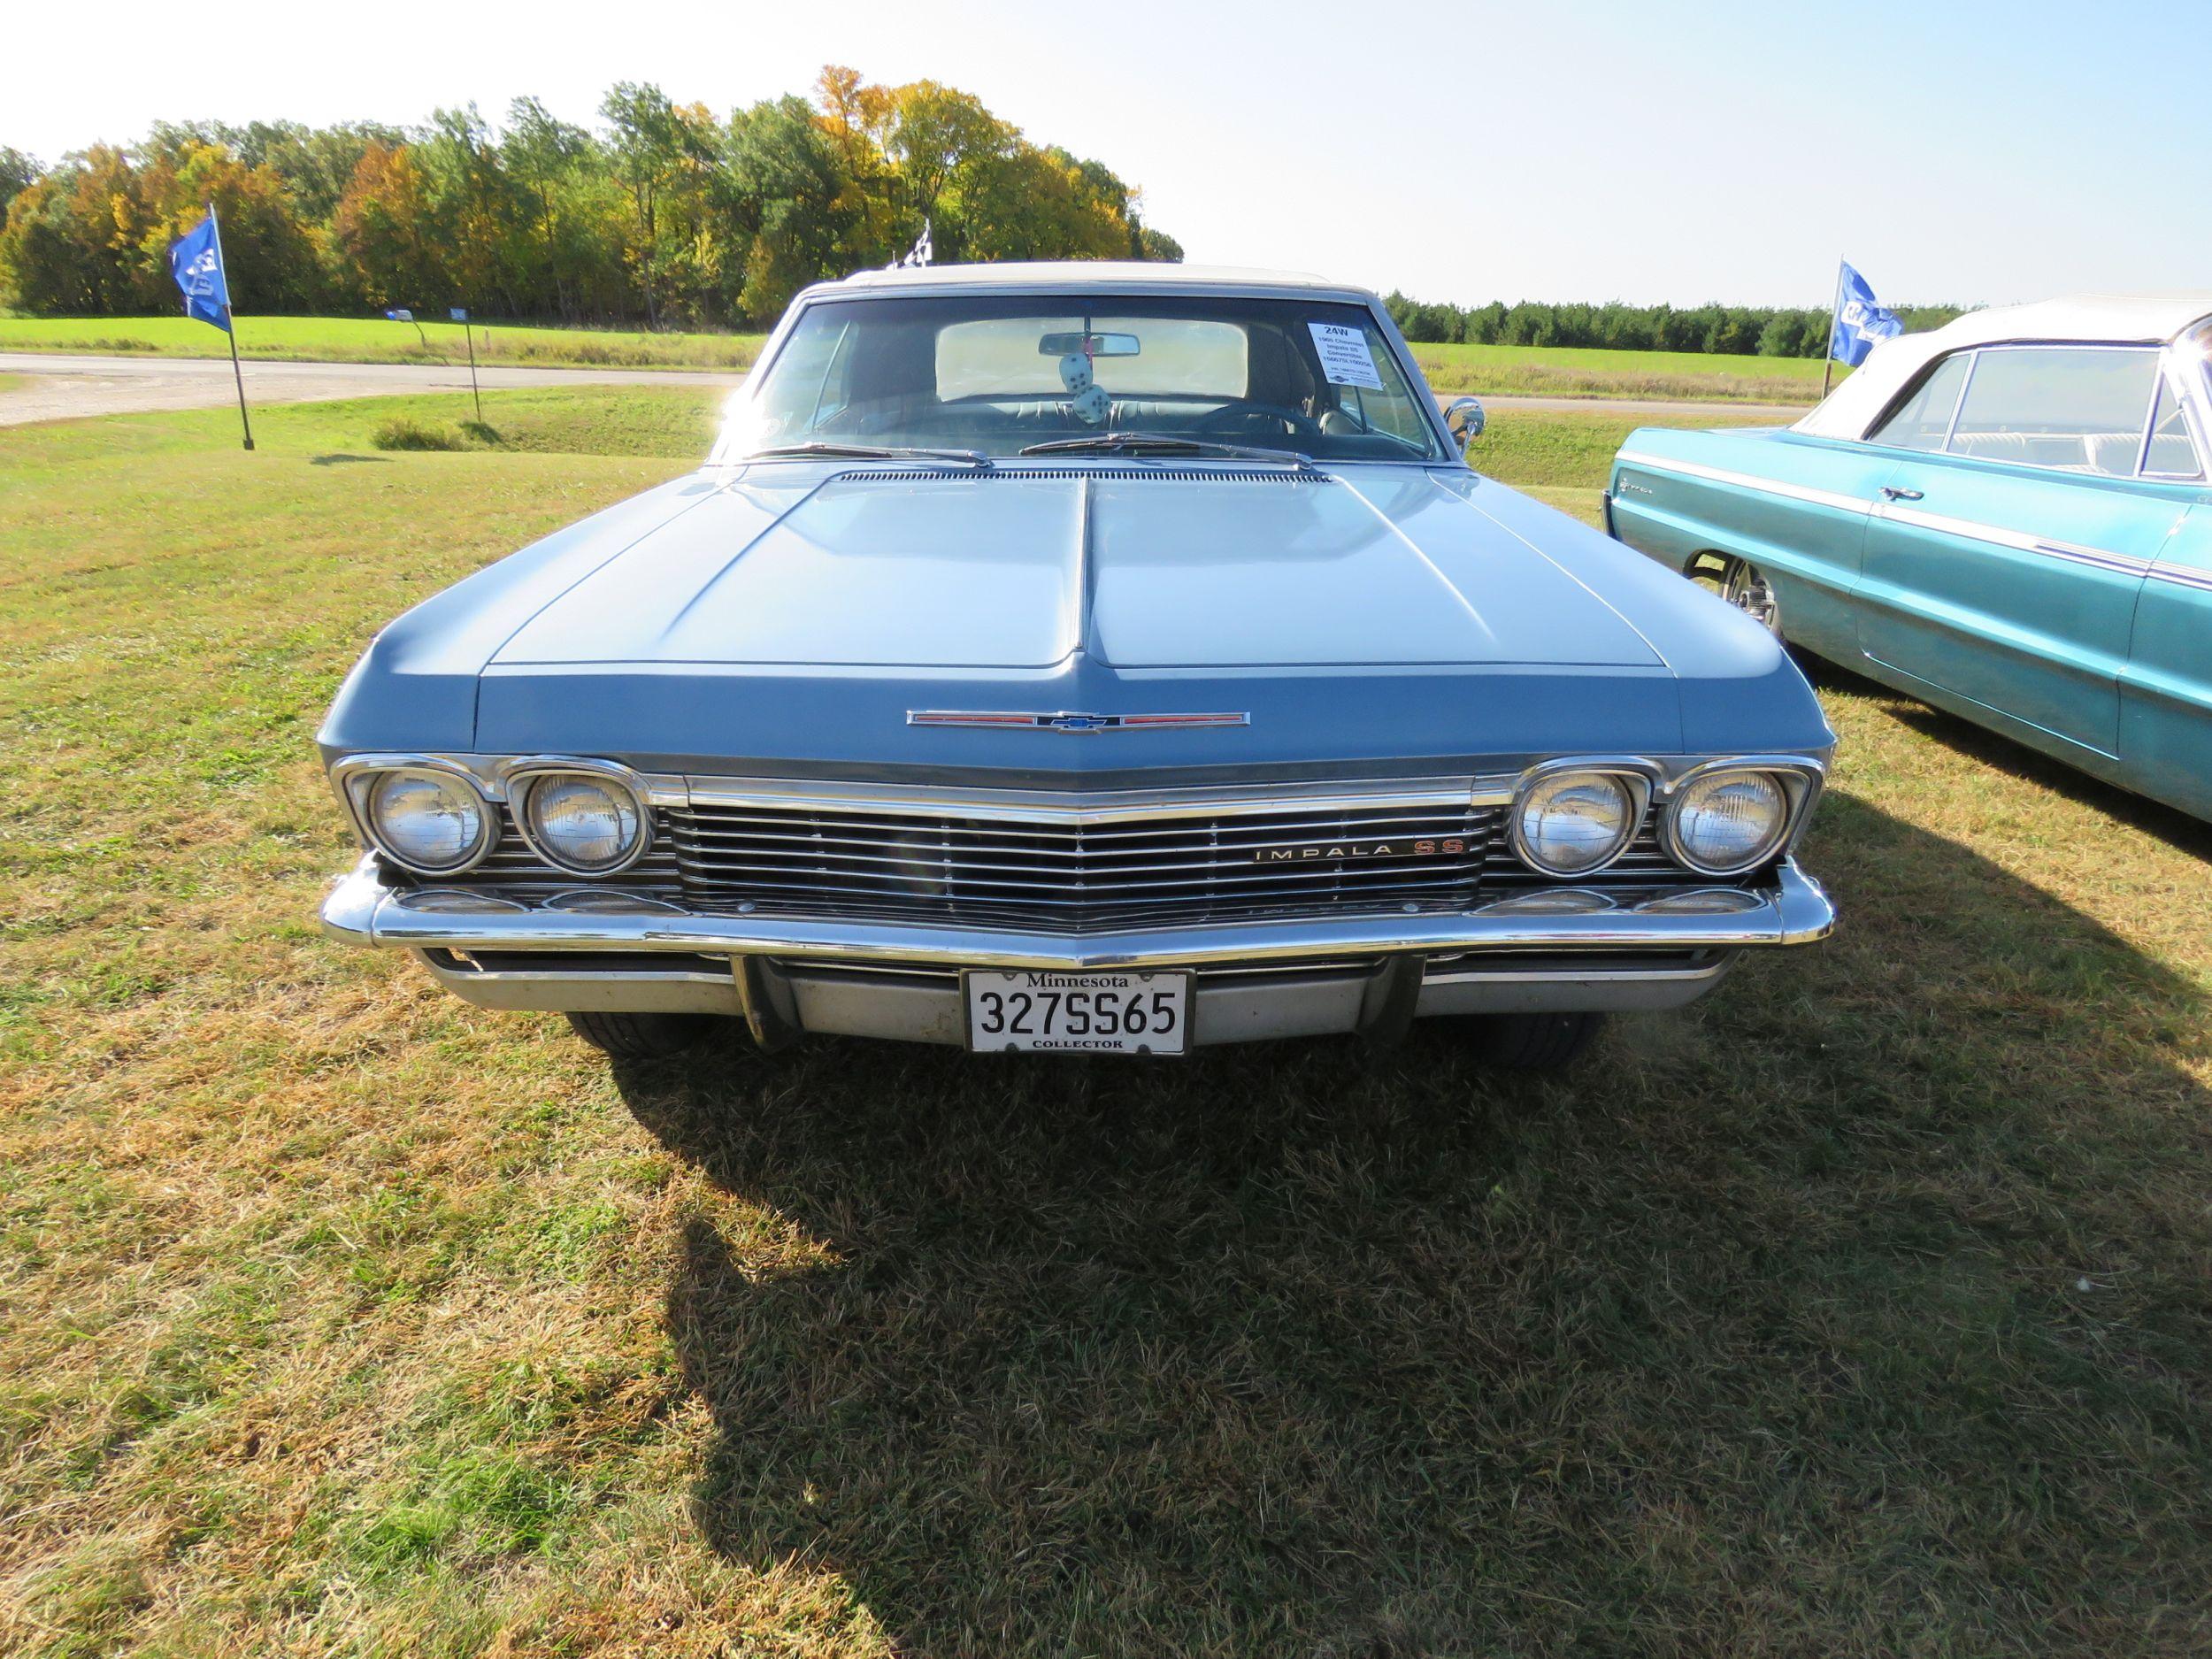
2008,517
1796,507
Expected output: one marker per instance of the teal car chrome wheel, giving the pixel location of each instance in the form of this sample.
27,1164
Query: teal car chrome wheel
1743,584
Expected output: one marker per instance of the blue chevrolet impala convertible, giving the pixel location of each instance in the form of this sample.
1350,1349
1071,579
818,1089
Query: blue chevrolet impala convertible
1096,659
2007,517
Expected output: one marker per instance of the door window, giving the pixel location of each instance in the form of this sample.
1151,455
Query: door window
1925,419
2171,453
2071,408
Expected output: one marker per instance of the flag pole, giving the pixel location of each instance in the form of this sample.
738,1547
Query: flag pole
473,391
230,320
1828,355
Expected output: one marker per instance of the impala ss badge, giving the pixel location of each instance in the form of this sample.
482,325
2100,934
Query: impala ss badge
1442,847
1067,722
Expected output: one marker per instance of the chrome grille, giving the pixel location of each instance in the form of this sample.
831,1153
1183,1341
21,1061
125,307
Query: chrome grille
1075,878
1643,865
512,869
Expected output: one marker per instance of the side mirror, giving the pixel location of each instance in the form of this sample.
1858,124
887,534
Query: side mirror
1463,418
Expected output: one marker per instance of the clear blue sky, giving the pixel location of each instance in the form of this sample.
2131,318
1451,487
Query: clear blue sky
1953,149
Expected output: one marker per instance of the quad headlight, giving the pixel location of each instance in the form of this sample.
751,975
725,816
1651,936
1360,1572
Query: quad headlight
1729,820
430,821
582,821
1571,823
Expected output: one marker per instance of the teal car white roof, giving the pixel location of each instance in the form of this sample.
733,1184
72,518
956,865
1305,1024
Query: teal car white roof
2146,318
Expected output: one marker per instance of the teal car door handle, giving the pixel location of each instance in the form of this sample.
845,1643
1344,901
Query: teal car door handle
1890,492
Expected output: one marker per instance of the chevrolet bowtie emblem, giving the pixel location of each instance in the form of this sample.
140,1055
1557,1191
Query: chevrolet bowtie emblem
1066,721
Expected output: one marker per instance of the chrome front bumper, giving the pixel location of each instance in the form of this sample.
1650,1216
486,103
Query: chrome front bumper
1309,976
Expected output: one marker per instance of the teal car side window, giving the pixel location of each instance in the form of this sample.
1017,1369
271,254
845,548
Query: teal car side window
1924,421
2170,452
2068,408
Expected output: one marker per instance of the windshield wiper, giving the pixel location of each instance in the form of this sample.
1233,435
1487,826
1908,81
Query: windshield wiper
1168,443
869,452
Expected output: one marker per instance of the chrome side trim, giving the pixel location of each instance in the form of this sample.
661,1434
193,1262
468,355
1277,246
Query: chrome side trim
1970,529
2019,541
1793,911
1765,486
2182,576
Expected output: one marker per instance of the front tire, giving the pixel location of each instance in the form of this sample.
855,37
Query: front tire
643,1036
1743,584
1532,1042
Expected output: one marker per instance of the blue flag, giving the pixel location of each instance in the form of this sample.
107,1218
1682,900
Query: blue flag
195,259
1859,324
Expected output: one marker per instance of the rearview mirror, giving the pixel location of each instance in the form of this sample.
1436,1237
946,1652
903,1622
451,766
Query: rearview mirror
1088,345
1463,418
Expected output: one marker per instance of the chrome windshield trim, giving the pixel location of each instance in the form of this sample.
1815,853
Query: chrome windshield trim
1722,475
1793,911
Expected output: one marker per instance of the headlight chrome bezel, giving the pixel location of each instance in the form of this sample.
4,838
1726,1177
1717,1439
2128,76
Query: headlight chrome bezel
360,789
1796,784
523,778
1636,780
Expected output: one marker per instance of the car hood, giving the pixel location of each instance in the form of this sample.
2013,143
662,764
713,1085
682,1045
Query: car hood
791,619
1136,568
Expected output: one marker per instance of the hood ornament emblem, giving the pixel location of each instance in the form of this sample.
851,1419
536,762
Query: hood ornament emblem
1065,720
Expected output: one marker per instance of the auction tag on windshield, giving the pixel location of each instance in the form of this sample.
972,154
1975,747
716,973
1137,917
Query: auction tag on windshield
1346,357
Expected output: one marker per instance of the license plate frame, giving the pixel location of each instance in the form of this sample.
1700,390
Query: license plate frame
1157,991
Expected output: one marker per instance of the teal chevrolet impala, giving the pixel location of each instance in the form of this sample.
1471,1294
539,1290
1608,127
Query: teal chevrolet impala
2008,517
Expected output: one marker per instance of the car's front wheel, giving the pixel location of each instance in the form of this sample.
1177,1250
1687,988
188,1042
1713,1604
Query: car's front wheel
1743,584
643,1036
1532,1042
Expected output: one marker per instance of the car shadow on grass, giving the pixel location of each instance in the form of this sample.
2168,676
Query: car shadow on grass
1990,748
1857,1310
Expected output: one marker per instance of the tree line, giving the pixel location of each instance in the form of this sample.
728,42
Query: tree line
666,214
1764,330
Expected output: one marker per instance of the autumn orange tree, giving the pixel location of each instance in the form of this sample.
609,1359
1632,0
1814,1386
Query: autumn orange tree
666,214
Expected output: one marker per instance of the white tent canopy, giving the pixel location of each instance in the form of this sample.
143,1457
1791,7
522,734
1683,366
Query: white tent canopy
2152,318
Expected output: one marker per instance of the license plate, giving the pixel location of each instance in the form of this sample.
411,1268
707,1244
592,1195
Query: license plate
1078,1013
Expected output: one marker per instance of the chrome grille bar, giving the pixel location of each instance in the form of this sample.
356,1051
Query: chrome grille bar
1073,876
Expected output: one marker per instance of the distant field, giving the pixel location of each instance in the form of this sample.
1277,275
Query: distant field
374,340
1574,371
1540,371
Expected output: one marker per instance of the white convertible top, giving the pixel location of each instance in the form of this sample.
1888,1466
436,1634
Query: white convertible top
2154,318
1078,274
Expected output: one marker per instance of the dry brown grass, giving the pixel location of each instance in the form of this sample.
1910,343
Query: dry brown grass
1860,1310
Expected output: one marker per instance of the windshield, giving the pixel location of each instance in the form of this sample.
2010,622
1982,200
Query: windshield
996,375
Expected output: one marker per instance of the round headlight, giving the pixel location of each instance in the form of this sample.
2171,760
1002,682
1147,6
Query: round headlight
1571,823
1728,822
590,825
435,822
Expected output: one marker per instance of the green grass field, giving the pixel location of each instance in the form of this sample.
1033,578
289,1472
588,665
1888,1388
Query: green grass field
1860,1310
374,340
1572,372
1519,369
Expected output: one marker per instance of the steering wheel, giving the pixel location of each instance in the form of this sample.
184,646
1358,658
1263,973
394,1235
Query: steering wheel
1233,420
